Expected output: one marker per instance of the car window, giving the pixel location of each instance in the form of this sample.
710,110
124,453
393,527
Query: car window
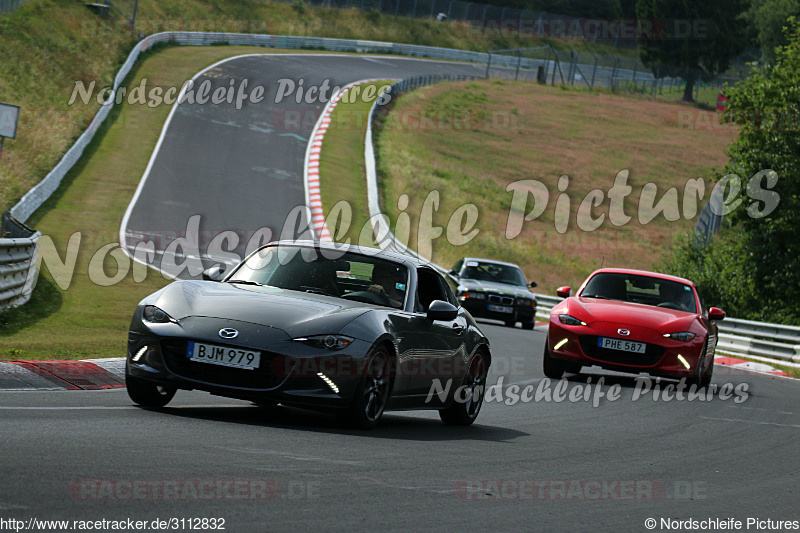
352,276
646,290
498,273
430,287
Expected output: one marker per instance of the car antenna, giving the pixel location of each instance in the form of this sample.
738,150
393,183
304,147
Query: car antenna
602,260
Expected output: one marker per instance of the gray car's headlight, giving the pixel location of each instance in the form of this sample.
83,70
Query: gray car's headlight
156,315
326,342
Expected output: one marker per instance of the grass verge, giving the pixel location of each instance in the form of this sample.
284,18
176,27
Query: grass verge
342,172
469,141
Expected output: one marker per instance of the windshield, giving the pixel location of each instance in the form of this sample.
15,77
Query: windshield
351,276
641,289
486,271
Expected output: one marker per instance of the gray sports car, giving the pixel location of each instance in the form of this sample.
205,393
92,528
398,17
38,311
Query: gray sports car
308,324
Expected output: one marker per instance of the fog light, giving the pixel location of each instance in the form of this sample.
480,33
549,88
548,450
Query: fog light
328,382
139,354
685,362
560,344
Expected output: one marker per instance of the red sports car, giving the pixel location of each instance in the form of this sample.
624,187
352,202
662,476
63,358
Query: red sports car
633,321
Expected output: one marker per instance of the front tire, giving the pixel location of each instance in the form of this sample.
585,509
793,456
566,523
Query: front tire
464,413
148,394
702,379
529,325
372,393
553,368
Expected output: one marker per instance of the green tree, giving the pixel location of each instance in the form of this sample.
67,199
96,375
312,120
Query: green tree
767,19
699,40
753,267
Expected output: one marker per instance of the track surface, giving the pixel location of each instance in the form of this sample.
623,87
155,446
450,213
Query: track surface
242,170
539,465
76,455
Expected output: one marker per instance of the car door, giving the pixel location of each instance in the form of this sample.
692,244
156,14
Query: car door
439,348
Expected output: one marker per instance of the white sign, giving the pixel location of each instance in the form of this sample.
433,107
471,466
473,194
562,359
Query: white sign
8,120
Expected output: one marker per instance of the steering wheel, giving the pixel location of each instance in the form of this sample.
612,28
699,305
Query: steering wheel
369,297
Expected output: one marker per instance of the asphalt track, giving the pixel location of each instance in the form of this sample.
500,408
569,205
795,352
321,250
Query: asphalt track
539,465
542,465
241,170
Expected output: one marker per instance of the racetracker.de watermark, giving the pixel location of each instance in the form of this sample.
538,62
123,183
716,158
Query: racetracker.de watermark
196,489
578,490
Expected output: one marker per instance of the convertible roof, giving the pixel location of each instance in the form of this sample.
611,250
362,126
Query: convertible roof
495,261
364,250
644,273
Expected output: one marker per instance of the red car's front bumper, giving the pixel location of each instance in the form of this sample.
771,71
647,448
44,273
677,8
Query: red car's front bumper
663,356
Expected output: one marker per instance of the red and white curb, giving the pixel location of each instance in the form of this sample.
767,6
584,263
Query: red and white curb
747,365
96,374
311,166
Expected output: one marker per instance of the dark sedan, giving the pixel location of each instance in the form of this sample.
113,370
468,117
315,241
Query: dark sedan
322,326
494,289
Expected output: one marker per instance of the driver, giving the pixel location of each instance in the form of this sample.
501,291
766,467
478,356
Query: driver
388,280
674,294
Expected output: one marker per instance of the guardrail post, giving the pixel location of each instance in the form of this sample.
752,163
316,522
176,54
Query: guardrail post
594,70
519,62
488,62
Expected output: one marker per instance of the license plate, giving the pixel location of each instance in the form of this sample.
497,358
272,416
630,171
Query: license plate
621,344
223,355
501,308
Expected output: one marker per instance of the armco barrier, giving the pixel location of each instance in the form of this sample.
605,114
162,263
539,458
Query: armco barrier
18,255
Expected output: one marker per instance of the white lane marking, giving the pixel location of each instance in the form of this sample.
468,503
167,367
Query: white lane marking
761,409
11,506
295,456
752,422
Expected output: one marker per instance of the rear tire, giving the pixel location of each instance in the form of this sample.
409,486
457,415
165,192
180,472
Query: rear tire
148,394
372,393
464,413
510,323
553,368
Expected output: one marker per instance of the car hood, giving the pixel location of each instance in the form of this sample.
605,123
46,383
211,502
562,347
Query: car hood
660,319
294,312
492,286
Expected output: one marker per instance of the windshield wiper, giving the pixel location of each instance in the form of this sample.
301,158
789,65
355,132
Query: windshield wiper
246,282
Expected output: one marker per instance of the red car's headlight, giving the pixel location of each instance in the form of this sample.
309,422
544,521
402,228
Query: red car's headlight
684,336
571,320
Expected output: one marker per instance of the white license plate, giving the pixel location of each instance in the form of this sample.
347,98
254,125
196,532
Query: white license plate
621,344
501,308
222,355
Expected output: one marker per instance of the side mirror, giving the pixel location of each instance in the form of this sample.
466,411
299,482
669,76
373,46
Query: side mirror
215,273
564,292
715,313
441,310
533,284
453,273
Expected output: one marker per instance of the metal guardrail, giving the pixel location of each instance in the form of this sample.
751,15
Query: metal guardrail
18,256
8,6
